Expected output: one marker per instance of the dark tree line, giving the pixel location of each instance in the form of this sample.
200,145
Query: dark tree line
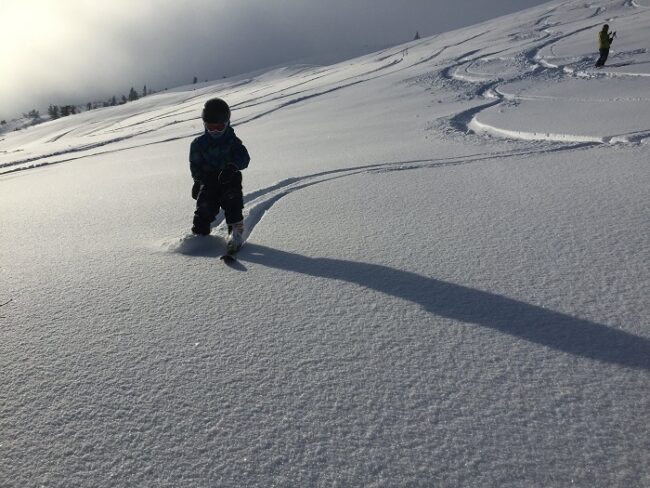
56,111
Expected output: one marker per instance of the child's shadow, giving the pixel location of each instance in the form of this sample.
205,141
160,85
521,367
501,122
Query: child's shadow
529,322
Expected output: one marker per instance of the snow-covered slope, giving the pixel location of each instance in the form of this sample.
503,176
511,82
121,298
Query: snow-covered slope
445,282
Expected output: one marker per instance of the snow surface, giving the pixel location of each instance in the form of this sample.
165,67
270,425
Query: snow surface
445,283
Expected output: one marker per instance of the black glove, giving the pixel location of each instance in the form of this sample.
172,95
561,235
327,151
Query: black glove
227,174
196,187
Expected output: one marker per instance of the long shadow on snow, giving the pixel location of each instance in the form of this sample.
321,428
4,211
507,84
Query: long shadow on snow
529,322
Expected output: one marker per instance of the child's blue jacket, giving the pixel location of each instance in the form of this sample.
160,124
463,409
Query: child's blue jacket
208,156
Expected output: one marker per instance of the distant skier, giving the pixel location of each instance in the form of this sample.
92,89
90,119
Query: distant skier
604,42
216,159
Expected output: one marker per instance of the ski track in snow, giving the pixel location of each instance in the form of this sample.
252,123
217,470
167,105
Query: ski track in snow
274,96
258,202
605,345
463,68
487,86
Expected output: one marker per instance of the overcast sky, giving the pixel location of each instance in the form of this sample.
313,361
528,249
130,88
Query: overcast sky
75,51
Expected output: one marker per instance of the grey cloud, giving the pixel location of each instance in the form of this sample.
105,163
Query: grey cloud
119,44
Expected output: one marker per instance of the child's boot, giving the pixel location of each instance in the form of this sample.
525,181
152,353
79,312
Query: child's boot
236,237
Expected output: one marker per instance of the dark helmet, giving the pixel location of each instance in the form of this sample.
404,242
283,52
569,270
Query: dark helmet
606,27
216,110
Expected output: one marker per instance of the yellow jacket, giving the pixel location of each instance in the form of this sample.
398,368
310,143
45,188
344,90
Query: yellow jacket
604,40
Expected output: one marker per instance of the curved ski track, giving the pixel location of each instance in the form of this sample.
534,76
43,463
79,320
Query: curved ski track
486,85
257,203
483,86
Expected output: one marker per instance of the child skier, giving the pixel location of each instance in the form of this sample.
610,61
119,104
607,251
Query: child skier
216,158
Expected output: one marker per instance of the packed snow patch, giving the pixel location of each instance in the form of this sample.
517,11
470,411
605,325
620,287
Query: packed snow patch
193,245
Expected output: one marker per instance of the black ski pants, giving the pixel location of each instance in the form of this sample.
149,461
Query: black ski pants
603,57
213,195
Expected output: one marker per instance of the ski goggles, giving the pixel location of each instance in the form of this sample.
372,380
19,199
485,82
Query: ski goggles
215,127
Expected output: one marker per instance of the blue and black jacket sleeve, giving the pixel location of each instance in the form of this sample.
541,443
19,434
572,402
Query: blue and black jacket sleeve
240,156
196,161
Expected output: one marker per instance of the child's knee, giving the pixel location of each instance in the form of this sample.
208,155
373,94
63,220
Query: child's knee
232,196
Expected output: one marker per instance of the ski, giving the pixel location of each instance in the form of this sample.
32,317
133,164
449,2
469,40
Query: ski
230,256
